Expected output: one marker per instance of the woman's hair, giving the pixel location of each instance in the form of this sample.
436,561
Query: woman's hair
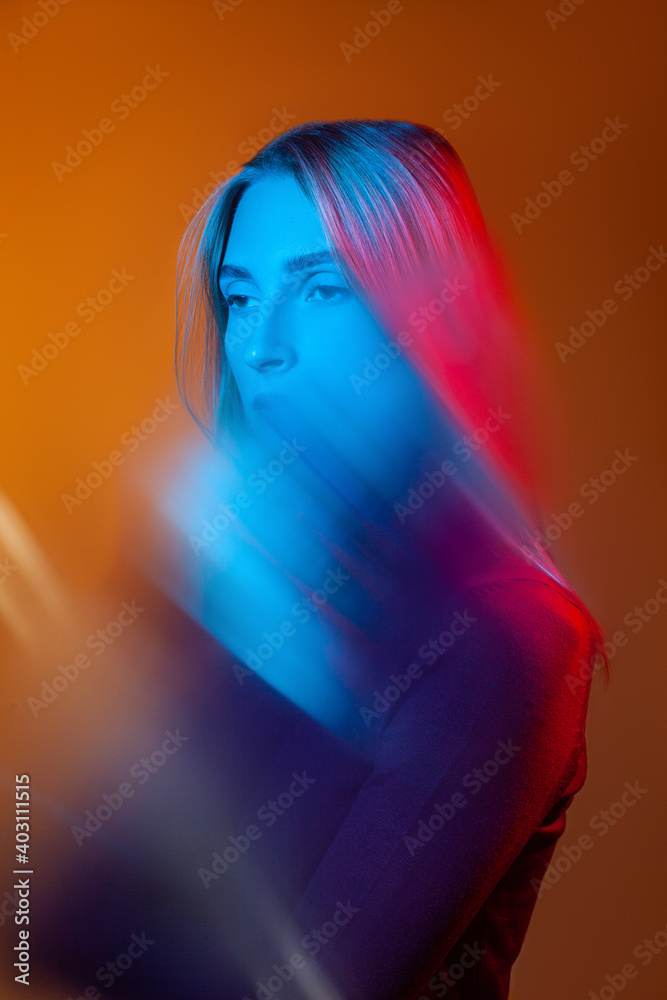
401,216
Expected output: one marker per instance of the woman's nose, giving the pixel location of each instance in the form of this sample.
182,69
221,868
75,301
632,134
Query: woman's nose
268,349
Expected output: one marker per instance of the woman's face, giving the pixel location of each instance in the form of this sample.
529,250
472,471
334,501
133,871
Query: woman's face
299,341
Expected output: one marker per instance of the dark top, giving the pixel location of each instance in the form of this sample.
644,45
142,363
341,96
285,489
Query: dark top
415,873
400,863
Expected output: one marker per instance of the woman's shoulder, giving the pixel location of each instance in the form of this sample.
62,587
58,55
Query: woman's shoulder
522,594
530,626
502,674
512,640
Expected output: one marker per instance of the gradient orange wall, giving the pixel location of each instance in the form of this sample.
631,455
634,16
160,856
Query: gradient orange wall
220,76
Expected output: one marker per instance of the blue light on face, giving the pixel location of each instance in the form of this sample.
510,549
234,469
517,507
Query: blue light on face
298,332
281,583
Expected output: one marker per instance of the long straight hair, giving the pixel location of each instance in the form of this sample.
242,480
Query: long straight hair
404,223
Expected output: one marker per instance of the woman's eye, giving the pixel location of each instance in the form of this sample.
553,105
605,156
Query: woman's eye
329,293
237,301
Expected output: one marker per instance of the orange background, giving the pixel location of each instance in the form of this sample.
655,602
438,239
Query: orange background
122,207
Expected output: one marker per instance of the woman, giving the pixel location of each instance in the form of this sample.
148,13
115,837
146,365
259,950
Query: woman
347,339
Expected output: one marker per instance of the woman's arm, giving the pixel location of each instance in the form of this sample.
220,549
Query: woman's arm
488,739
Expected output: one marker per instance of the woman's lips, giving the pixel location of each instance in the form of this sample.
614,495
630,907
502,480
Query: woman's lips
265,400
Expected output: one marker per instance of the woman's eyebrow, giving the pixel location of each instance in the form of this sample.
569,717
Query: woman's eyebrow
297,263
